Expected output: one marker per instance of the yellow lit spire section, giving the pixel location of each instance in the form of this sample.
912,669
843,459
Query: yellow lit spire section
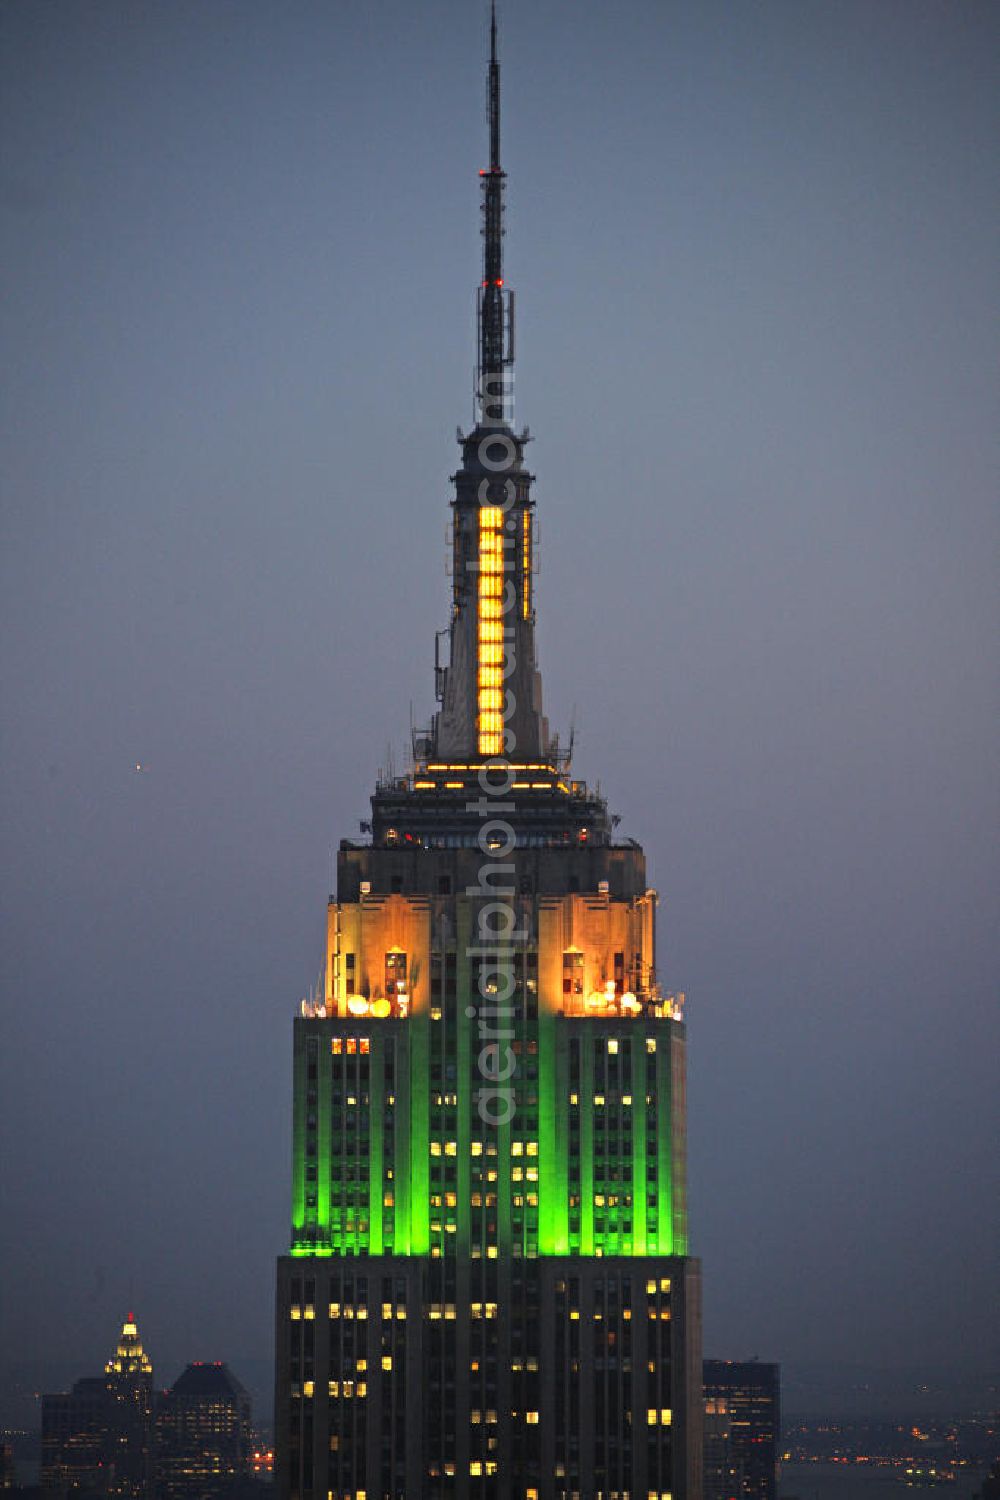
489,719
526,564
129,1357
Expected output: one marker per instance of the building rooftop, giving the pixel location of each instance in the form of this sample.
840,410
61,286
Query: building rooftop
215,1379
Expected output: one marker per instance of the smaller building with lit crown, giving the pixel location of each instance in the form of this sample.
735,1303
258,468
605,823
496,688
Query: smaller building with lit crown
97,1438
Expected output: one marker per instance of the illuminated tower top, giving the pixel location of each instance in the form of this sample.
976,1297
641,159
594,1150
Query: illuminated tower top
130,1360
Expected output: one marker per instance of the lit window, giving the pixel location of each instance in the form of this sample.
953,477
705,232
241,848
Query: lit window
572,972
395,974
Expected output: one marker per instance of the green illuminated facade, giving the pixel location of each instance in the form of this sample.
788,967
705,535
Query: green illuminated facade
591,1163
488,1291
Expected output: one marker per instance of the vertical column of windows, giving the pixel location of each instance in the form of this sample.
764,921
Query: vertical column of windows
348,1383
602,1396
678,1141
388,1162
573,1463
602,1126
659,1412
524,1146
490,631
575,1146
302,1348
525,1380
652,1147
611,1345
560,1415
350,1143
311,1143
388,1368
443,1141
295,1389
626,1155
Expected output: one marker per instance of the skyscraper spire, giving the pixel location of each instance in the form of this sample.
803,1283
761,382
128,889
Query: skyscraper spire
490,689
496,306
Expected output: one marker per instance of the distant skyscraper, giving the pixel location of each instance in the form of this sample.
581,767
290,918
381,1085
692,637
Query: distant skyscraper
720,1481
204,1435
488,1292
97,1439
129,1379
74,1440
751,1392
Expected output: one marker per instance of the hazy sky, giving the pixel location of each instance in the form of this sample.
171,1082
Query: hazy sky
755,251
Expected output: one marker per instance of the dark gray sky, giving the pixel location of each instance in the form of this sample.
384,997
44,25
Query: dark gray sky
755,253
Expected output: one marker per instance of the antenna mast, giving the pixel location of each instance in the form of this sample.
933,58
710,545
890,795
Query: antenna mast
495,305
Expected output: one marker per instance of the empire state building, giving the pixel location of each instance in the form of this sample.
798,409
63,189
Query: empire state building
488,1291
